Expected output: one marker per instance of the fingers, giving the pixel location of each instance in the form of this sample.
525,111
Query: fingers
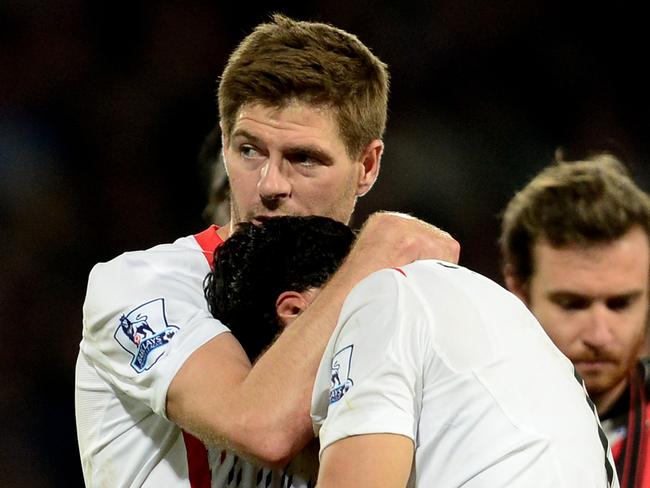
399,239
439,244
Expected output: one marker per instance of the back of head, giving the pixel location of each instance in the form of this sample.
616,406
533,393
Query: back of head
315,63
259,262
571,203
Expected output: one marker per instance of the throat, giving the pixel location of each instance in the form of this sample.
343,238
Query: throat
612,403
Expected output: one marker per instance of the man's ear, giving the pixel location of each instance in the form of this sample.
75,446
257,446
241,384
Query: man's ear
514,284
289,305
369,166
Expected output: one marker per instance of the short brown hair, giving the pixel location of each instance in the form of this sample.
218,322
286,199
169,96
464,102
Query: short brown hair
311,62
571,203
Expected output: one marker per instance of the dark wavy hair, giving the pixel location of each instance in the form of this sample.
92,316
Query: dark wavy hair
259,262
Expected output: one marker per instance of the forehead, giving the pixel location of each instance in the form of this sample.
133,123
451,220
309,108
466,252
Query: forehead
613,267
294,122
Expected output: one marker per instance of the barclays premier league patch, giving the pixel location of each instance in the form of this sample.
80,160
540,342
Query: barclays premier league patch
144,333
340,379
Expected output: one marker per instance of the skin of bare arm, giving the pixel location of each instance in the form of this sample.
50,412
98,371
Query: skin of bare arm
367,461
264,411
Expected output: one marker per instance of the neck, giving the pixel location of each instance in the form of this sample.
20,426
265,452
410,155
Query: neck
224,231
606,400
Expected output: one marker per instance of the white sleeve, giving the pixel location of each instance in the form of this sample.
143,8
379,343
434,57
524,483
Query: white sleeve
144,315
370,378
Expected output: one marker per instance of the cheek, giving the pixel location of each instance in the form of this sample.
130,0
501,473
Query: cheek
635,324
562,328
242,184
325,189
324,193
343,183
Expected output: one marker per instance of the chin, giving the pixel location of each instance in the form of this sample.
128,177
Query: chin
600,384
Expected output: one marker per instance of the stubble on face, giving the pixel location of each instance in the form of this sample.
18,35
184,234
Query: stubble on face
576,291
330,190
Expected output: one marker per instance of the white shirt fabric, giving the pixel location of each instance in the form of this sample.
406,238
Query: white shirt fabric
144,315
450,359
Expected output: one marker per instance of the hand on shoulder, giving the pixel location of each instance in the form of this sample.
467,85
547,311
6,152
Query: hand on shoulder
390,239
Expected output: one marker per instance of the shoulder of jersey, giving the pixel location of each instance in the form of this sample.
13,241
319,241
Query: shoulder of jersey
181,250
430,264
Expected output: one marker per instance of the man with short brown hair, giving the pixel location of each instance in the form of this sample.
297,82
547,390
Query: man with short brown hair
302,110
575,244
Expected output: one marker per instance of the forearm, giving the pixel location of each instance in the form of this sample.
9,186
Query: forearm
280,383
263,411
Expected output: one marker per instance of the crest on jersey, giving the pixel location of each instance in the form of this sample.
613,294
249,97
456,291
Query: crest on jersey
144,333
340,378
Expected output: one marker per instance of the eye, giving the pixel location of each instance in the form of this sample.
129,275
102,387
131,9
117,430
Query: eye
249,151
572,303
619,303
303,159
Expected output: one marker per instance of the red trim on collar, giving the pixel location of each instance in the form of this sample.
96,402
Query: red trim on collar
401,271
209,240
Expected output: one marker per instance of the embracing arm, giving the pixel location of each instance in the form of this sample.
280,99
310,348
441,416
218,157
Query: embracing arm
264,411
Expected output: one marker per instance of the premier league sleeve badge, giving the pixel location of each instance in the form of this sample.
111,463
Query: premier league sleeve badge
144,333
340,374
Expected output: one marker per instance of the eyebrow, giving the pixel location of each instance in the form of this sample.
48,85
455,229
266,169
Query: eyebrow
241,133
310,151
563,294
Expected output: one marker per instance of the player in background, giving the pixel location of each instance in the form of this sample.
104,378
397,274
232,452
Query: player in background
434,376
217,210
575,243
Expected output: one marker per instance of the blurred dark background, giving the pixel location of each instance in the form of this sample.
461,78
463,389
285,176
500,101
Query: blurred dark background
104,107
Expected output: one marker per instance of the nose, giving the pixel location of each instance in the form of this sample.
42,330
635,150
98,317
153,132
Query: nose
598,331
273,184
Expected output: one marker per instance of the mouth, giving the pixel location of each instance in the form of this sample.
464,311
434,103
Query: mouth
587,367
259,219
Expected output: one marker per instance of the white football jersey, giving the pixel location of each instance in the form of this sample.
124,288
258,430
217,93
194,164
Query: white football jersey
450,359
144,315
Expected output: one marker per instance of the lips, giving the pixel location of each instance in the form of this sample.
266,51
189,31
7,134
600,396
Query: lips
258,219
592,366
